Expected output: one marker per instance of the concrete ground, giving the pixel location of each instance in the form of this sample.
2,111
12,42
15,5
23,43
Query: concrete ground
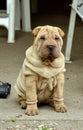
12,117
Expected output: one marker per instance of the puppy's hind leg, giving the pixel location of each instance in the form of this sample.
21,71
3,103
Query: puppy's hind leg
22,102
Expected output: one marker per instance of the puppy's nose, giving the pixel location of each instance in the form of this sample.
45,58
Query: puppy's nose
50,47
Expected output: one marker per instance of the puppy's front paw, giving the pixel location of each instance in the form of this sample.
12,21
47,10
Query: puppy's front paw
61,108
32,110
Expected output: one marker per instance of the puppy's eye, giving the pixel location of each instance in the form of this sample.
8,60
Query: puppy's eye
56,38
42,38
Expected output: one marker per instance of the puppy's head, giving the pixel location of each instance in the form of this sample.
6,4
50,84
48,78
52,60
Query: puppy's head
48,42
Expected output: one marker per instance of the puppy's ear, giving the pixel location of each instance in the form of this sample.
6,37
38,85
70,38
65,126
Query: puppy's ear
61,32
36,30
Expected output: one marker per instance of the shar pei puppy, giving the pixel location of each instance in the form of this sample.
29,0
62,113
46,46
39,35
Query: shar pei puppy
41,78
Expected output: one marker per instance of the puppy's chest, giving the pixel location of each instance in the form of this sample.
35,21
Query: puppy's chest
46,83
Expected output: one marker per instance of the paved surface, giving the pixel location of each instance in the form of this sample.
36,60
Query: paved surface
12,116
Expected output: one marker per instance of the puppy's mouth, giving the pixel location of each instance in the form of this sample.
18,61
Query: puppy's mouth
49,58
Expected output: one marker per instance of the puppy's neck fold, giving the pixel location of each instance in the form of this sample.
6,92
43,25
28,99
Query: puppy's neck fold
34,62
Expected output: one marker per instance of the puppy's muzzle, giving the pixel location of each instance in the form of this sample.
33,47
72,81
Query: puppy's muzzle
50,48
